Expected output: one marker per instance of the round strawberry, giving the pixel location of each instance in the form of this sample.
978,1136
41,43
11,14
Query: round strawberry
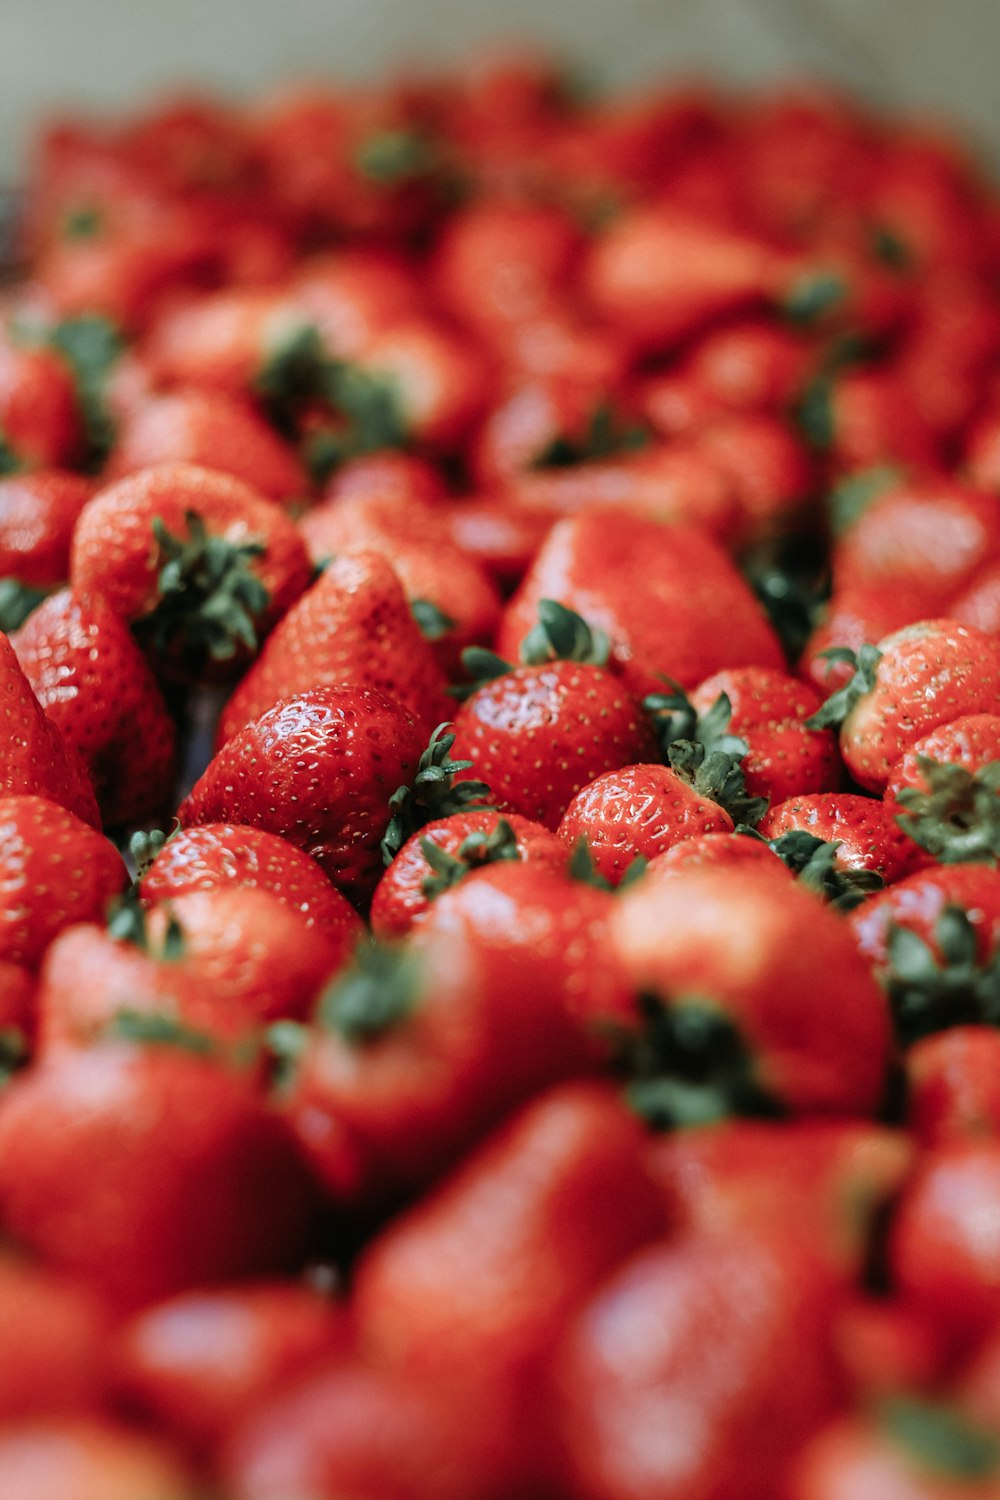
89,1458
37,515
862,827
944,791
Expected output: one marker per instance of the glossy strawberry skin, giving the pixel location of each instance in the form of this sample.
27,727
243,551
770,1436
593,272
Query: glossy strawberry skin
866,831
319,770
917,903
54,1353
39,420
638,810
89,1455
971,741
953,1091
56,871
37,515
215,855
536,735
352,626
37,759
400,901
98,689
769,710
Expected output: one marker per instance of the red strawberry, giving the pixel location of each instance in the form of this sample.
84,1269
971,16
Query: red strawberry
862,827
319,769
37,760
953,1086
39,420
89,1458
670,601
444,852
97,688
911,1448
193,558
352,626
56,871
501,537
54,1353
219,855
944,791
852,619
37,515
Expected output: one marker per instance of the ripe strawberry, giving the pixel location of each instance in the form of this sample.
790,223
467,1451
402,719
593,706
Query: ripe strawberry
916,1449
194,559
37,760
222,342
37,515
219,855
769,468
916,679
221,962
440,383
451,596
56,871
352,626
39,420
97,688
443,852
944,791
501,537
89,1458
714,850
205,1183
863,829
748,366
757,995
768,710
537,733
318,769
865,417
853,618
54,1352
214,430
669,600
953,1086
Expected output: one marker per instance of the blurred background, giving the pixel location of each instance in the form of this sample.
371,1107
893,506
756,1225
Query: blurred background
920,53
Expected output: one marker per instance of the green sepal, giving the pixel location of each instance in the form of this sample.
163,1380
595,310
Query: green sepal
835,710
606,435
145,845
481,666
718,776
675,718
128,922
392,157
377,992
687,1064
434,793
581,867
10,463
941,1439
157,1029
17,601
84,222
474,852
957,819
794,603
928,994
813,296
433,622
814,861
14,1053
92,347
285,1042
210,598
890,248
851,497
291,376
813,413
563,635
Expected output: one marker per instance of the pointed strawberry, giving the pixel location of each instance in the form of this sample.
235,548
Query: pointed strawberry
37,515
352,626
37,758
98,689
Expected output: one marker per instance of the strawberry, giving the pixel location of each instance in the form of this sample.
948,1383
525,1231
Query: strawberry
756,995
748,366
97,688
89,1458
916,679
223,963
222,342
863,829
451,596
853,618
440,382
669,600
39,421
37,515
944,791
214,430
768,710
37,759
443,852
913,1448
203,1181
502,538
352,626
53,1357
953,1086
537,733
194,559
861,418
769,468
802,855
360,747
219,855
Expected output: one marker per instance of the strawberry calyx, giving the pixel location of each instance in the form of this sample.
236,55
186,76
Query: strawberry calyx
91,346
847,501
563,635
940,1439
389,158
581,868
10,463
814,861
17,601
957,819
210,598
716,775
158,1029
794,597
813,296
606,435
145,845
476,850
14,1053
688,1065
128,922
675,718
929,993
379,990
434,793
864,664
432,621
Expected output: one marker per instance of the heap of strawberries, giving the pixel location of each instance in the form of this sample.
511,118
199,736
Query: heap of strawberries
499,906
